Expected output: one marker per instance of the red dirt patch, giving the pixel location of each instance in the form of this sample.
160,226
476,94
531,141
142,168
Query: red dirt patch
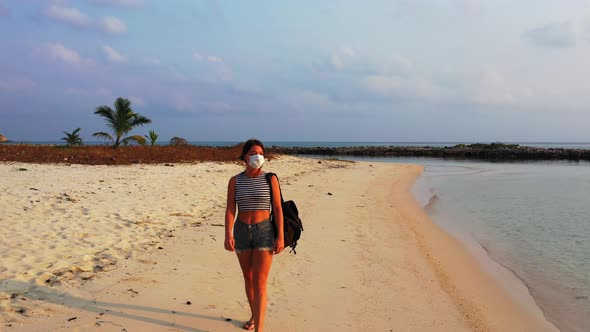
125,155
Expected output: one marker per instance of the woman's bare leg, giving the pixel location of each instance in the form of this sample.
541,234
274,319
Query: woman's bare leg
261,261
245,259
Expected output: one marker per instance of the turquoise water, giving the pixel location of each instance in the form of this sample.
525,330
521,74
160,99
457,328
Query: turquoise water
532,218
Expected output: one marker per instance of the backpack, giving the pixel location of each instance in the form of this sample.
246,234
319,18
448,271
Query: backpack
292,226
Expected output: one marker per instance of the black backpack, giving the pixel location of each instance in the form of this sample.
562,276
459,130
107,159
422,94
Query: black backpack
292,226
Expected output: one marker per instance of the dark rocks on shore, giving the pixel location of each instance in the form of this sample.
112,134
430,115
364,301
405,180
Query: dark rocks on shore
494,151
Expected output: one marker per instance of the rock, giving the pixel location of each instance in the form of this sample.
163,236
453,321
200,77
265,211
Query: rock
3,138
86,275
178,141
493,151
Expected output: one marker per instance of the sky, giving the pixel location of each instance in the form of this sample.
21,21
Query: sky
330,70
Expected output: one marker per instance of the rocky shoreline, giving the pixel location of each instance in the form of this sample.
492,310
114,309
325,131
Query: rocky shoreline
492,152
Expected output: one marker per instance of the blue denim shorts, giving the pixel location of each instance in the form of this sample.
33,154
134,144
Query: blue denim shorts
259,236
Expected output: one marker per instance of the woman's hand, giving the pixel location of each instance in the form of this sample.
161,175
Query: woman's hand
279,245
229,243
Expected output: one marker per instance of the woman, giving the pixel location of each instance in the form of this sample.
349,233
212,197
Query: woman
252,235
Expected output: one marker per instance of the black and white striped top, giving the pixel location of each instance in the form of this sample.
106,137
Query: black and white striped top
252,193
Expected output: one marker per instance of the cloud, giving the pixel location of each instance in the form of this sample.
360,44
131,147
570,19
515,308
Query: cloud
16,85
182,103
58,51
553,35
493,88
113,56
217,67
113,25
76,18
211,58
208,58
310,100
137,101
214,106
470,7
118,3
340,56
68,15
414,87
502,87
153,61
394,64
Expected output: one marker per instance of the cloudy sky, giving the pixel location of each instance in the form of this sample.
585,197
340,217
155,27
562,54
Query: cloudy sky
330,70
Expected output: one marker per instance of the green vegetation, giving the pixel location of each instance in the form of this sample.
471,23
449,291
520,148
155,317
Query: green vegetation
73,138
152,137
122,120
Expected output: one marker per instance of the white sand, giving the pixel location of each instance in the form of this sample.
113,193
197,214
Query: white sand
85,242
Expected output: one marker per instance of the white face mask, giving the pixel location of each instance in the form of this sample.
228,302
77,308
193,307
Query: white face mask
256,161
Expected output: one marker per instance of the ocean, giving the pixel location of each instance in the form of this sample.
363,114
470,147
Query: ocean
529,217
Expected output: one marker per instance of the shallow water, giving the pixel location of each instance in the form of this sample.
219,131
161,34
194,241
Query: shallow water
531,218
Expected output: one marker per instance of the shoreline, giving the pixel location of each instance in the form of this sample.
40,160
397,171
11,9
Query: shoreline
481,266
434,300
477,214
512,284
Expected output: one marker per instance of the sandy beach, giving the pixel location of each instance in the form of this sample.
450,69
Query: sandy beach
140,248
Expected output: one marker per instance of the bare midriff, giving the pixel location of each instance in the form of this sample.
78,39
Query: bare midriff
253,217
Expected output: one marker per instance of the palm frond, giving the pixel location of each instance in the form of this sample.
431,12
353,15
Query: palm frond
139,120
123,105
153,137
107,113
104,136
135,138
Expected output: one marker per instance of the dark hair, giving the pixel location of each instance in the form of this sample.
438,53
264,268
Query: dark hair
249,144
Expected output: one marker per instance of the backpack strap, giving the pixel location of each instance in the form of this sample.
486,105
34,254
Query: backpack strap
269,176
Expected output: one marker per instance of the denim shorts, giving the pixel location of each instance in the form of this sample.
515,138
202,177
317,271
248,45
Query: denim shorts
259,236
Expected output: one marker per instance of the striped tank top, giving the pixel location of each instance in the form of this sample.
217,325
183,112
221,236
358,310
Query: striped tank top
252,193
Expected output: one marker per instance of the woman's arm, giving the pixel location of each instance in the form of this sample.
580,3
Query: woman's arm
230,214
278,214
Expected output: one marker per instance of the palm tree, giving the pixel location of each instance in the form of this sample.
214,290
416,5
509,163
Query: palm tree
73,138
152,137
122,120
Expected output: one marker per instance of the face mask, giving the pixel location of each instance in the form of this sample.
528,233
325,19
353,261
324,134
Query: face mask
256,161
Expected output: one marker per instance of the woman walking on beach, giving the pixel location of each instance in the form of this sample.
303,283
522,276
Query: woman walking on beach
252,235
